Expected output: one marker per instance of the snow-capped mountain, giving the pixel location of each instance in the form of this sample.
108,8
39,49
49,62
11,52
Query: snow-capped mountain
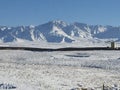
58,31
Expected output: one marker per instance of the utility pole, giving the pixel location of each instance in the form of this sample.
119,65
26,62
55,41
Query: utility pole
103,88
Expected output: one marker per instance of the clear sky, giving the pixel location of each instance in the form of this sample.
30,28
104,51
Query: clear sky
35,12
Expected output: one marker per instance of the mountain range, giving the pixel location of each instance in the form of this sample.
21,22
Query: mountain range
58,31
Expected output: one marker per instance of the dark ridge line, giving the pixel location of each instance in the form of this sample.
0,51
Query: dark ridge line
58,49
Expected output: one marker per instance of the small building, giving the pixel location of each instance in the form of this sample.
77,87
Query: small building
112,45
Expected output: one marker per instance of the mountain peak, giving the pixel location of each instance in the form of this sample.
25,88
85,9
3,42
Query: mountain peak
59,22
32,26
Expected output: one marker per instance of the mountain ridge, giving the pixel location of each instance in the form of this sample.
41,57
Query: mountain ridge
58,31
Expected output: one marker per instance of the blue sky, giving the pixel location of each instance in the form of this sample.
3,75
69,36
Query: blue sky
35,12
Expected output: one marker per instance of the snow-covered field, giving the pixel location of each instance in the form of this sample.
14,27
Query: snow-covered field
28,70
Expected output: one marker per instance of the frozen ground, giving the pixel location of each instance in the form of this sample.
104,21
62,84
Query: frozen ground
59,70
81,43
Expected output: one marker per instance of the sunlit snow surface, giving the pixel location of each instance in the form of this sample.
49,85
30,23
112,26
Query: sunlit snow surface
29,70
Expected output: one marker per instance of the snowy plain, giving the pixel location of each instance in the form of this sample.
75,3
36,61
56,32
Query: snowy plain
57,70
